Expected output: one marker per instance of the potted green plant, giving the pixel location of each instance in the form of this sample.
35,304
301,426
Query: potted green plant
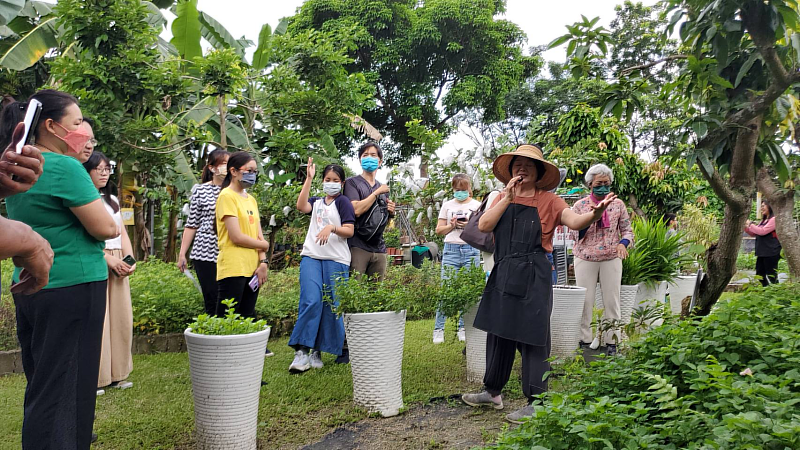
700,232
226,361
374,323
460,294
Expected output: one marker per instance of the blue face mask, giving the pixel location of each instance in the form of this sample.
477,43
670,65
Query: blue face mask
369,163
601,191
248,179
462,195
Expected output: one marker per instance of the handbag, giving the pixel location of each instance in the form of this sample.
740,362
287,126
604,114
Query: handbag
475,237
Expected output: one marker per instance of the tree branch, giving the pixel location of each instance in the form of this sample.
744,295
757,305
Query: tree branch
719,185
628,70
443,121
764,41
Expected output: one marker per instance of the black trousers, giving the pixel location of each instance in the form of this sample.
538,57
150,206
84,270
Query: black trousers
500,355
767,269
207,277
239,290
60,332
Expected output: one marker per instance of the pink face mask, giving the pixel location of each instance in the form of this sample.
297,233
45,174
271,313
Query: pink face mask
76,139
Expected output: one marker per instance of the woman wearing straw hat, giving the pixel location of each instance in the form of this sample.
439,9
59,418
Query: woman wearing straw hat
518,299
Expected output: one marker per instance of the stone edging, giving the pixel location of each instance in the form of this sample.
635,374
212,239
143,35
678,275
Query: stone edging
11,361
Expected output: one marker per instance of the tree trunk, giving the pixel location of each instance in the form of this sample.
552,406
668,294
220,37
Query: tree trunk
782,203
142,240
737,193
634,202
271,250
172,235
223,133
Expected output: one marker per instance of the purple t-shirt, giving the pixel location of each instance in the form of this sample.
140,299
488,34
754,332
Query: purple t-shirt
357,189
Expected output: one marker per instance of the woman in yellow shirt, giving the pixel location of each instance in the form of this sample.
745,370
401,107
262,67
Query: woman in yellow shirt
242,247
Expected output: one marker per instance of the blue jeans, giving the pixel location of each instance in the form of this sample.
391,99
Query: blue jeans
317,326
456,256
555,274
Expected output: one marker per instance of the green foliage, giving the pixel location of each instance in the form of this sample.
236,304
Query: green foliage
424,53
729,380
404,288
700,230
163,299
461,289
391,236
233,323
747,261
656,256
186,30
221,72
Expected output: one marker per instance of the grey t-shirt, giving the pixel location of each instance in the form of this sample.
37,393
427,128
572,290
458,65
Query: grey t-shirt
357,189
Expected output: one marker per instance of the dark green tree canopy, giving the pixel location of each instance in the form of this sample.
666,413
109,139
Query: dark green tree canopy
429,60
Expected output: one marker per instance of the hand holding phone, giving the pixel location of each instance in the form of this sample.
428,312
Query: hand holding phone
254,284
19,171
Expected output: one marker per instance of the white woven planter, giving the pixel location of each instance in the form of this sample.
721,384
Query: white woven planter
649,295
627,300
679,289
565,321
376,359
476,347
226,380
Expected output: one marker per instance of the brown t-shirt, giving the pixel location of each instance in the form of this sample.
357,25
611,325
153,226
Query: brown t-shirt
549,206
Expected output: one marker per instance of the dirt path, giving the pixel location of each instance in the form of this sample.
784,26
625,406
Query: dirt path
441,424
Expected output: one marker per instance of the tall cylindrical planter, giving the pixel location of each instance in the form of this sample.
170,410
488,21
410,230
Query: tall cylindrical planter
376,359
679,289
476,347
226,380
627,300
651,295
565,321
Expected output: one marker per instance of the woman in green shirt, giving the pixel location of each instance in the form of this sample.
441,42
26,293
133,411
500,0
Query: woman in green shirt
60,327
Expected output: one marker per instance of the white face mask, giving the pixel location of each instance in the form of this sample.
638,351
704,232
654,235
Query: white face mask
332,188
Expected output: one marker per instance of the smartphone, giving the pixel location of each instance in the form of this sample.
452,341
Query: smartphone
129,260
254,283
31,122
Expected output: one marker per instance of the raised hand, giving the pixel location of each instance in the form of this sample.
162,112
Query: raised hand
25,166
603,205
511,188
312,168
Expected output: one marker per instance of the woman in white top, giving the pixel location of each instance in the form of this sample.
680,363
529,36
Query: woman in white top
325,257
457,253
116,360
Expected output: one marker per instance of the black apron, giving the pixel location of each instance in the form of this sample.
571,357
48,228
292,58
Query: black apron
518,298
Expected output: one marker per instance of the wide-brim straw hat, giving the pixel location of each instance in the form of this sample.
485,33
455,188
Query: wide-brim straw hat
547,181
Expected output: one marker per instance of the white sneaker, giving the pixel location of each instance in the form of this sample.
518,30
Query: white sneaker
316,360
462,335
301,363
438,336
100,392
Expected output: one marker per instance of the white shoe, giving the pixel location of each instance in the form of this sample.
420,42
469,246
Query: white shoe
316,360
301,363
100,392
462,335
438,336
122,384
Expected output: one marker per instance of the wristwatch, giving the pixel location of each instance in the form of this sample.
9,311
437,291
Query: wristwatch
265,261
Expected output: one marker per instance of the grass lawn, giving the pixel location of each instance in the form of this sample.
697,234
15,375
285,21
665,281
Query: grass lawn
294,409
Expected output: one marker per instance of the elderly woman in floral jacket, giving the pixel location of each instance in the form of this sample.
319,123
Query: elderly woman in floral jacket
599,250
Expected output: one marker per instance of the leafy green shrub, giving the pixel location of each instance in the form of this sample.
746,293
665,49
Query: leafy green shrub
278,299
746,261
461,290
392,237
232,323
404,287
730,380
163,299
655,255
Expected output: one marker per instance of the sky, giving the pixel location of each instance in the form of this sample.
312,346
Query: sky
541,20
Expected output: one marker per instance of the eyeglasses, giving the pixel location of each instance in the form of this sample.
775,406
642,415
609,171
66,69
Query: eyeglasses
103,171
93,142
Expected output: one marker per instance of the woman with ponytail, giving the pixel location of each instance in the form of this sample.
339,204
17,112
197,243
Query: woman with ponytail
116,359
60,328
199,228
242,247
